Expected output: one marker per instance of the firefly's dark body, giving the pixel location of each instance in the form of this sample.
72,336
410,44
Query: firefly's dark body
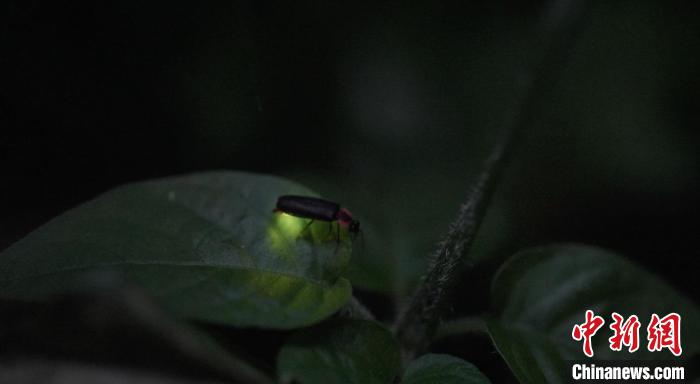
317,209
308,207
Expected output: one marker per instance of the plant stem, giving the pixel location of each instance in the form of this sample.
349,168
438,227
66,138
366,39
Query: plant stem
465,325
417,324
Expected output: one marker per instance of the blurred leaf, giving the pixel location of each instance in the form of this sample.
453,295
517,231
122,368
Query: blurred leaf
443,369
64,372
103,326
540,294
342,351
206,246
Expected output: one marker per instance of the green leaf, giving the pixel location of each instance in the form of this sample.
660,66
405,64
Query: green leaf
206,246
540,294
343,351
443,369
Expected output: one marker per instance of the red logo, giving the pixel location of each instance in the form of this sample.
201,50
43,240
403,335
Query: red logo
626,333
661,333
586,331
665,333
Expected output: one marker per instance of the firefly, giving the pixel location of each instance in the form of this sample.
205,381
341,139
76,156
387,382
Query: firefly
317,209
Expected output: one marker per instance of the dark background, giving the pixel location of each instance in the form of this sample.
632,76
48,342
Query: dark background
387,107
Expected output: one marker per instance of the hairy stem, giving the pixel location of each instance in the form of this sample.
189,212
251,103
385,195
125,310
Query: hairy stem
417,325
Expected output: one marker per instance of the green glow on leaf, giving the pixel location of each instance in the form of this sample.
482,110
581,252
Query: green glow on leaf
205,246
